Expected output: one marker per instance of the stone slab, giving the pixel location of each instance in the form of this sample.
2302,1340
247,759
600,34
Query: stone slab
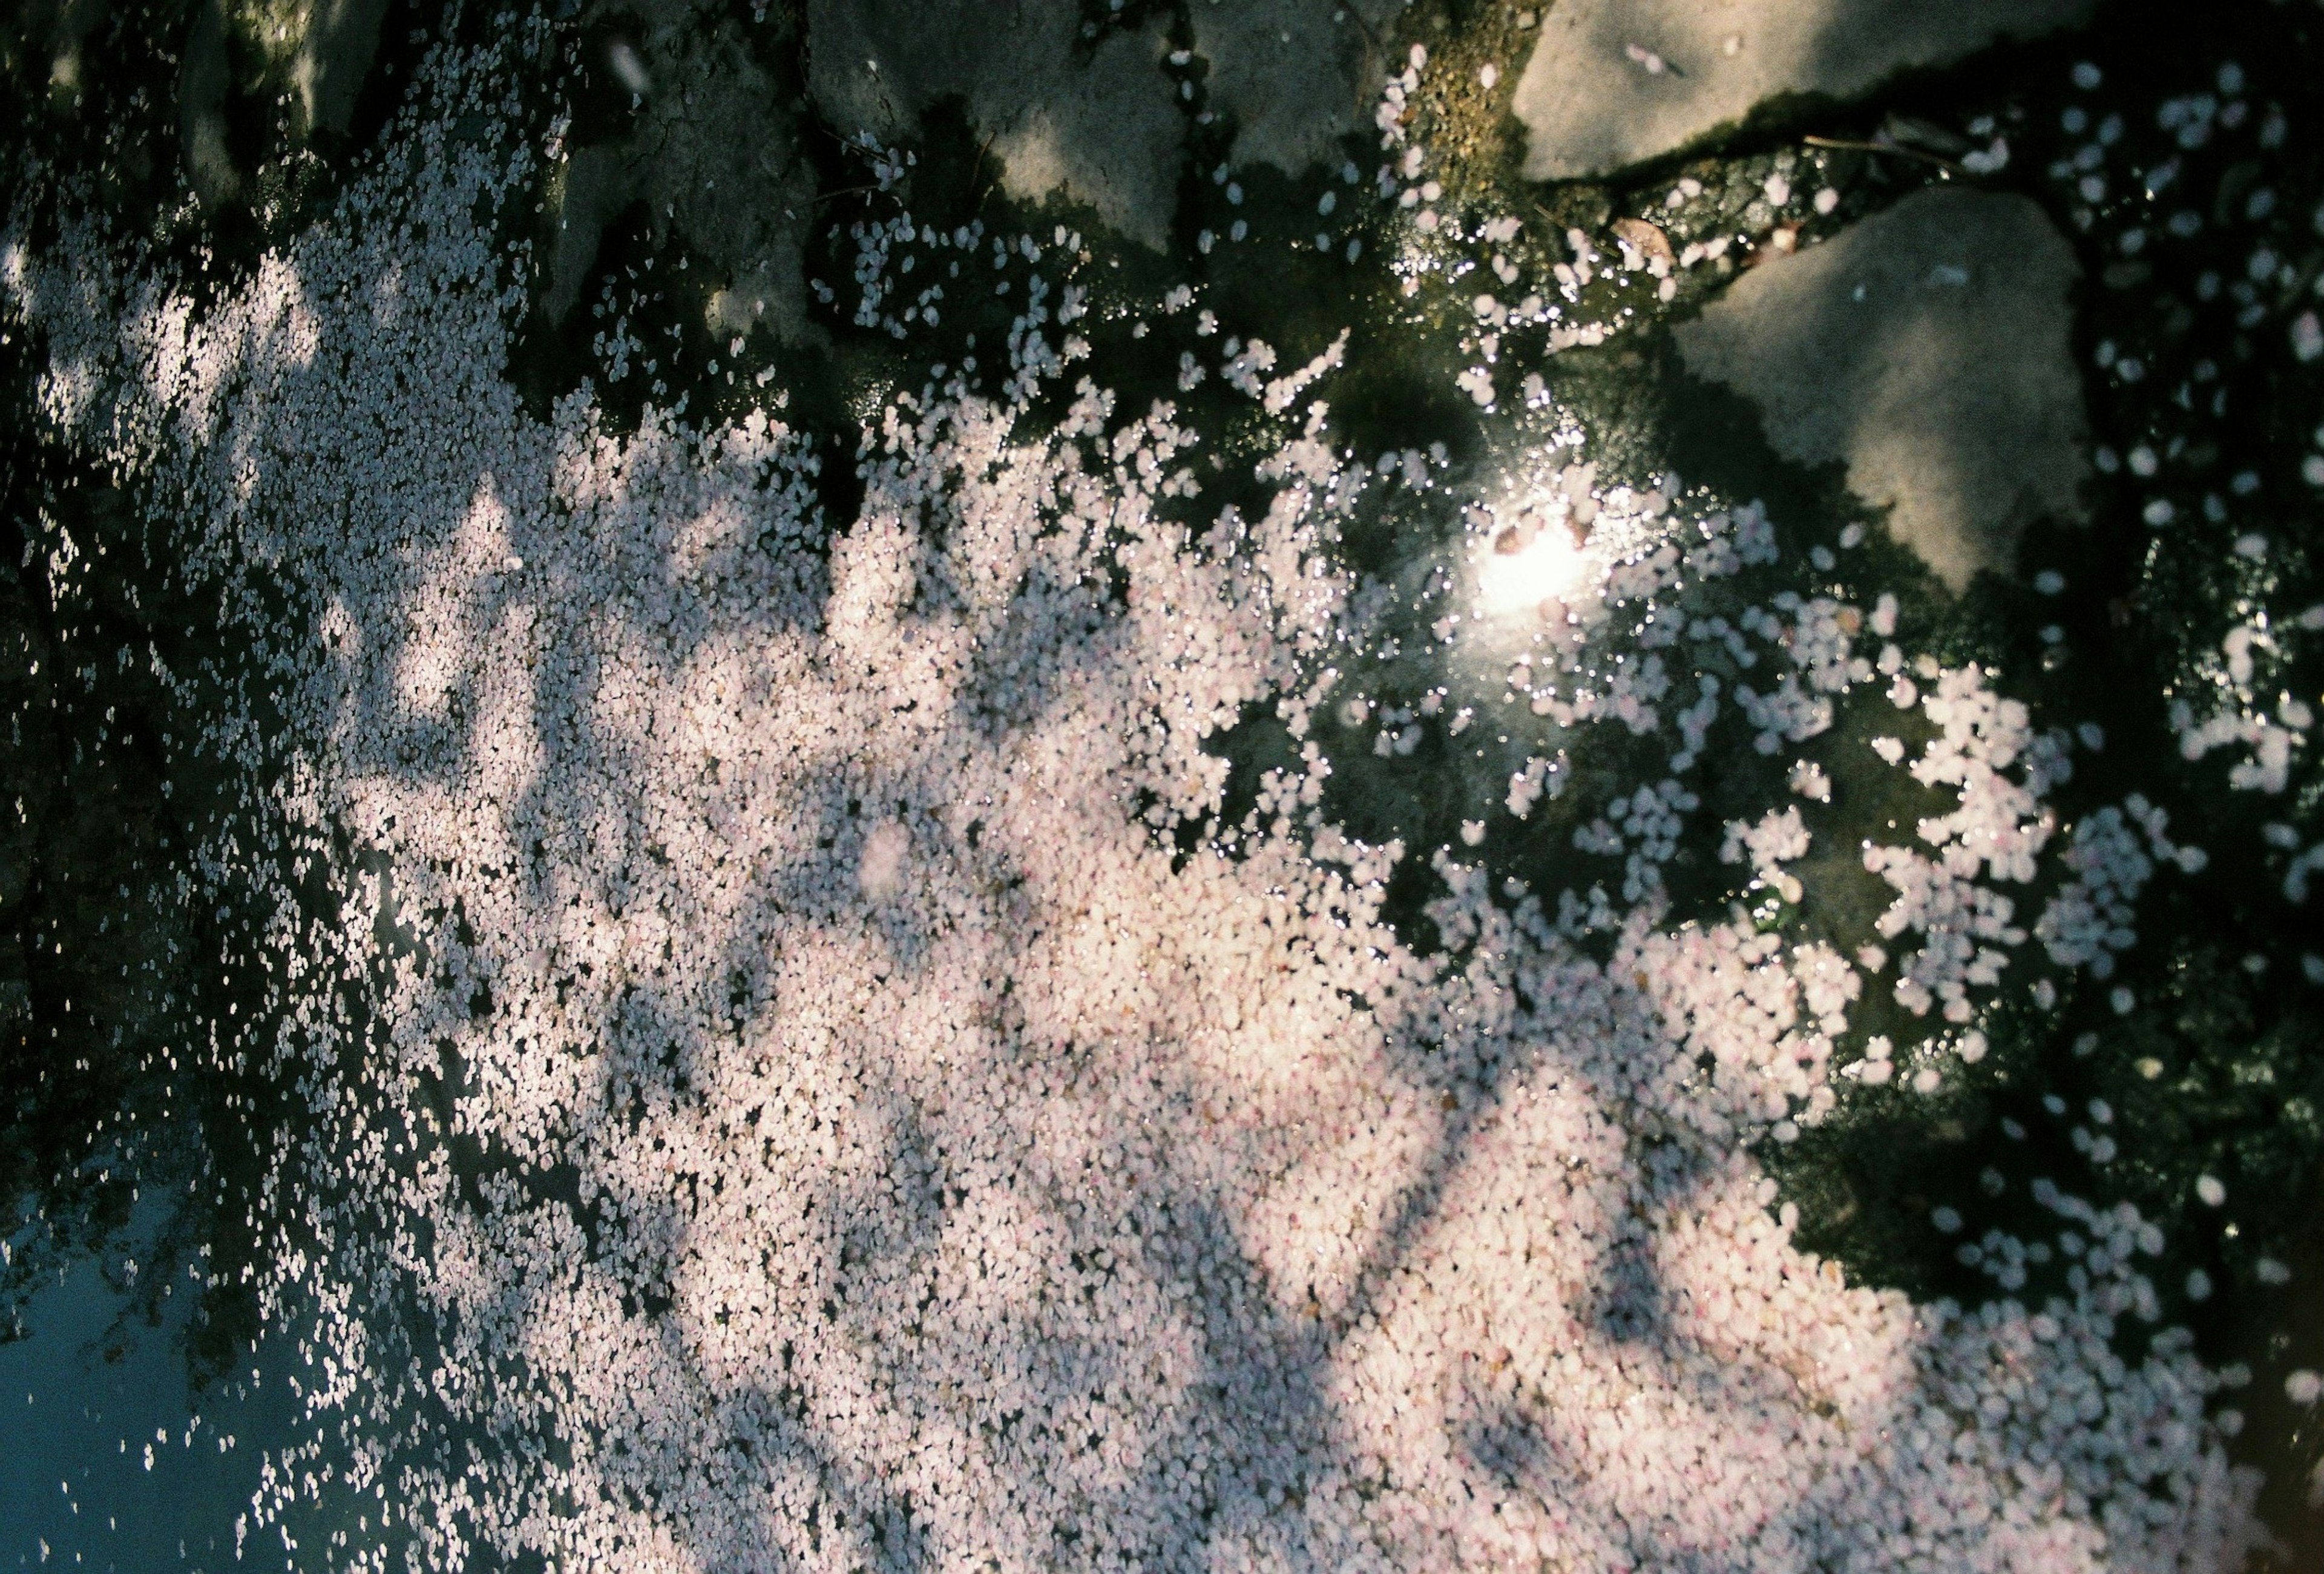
1296,76
1101,126
1929,349
1613,83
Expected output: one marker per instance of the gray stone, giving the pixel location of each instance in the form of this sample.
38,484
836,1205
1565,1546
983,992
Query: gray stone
1103,128
715,155
56,29
1594,101
1296,75
1928,349
1102,125
203,78
312,56
333,58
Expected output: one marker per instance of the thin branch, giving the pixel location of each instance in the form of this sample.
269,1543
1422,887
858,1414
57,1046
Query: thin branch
1850,145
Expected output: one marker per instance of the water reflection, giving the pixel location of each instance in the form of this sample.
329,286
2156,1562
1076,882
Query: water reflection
1529,565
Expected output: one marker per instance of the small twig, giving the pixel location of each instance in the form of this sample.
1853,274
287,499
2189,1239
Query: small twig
985,189
1654,64
1849,146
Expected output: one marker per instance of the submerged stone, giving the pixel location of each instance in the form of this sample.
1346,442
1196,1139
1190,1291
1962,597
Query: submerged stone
1296,76
1099,125
1928,349
333,58
715,153
1612,83
309,59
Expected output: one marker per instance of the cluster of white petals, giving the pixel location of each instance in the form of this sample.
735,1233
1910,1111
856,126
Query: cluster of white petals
1986,749
2088,922
779,1101
1777,838
2271,733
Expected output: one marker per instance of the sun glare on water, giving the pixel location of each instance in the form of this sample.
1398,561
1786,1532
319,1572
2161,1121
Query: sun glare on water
1549,567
